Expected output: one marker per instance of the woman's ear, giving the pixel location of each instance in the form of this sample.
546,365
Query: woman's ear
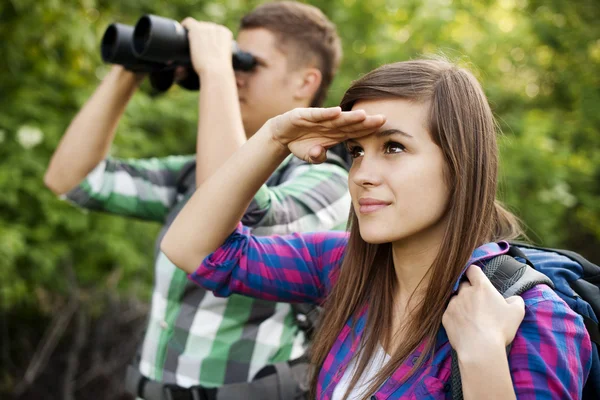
309,81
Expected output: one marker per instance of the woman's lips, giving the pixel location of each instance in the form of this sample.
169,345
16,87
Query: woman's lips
368,205
370,209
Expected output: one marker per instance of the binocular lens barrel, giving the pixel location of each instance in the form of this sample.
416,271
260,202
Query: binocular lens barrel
243,61
158,45
116,45
116,48
160,39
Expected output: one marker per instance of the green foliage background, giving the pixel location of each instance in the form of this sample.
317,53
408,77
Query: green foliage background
538,62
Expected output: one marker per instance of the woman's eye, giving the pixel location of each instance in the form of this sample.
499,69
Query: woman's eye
394,148
355,151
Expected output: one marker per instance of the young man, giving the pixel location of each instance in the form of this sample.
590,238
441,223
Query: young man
194,339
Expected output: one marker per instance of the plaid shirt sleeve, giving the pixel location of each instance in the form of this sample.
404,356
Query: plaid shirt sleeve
299,267
143,188
551,353
313,197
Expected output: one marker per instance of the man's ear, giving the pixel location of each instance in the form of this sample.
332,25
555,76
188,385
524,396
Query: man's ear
309,81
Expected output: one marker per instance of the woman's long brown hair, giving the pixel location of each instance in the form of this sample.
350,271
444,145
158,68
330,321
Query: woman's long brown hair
462,125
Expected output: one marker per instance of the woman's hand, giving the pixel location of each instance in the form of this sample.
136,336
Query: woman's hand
309,132
478,318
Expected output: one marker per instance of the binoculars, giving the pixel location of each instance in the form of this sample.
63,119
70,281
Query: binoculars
157,45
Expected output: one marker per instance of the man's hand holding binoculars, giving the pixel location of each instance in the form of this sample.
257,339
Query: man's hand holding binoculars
160,46
210,46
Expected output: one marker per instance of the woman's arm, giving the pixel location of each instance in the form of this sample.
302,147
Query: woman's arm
300,267
218,205
480,323
485,373
550,357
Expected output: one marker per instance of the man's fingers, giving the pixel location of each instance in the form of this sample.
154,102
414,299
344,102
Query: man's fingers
187,22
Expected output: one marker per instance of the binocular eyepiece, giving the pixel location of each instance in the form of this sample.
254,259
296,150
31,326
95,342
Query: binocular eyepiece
158,45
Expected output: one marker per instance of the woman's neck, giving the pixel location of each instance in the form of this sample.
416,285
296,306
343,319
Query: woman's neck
413,257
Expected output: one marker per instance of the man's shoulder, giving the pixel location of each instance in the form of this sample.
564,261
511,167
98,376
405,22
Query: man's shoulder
292,167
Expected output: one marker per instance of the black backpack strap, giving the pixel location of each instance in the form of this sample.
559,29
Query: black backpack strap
511,278
186,178
591,271
586,287
306,316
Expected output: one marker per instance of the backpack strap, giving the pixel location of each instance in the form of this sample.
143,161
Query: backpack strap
186,178
511,278
585,287
591,271
307,317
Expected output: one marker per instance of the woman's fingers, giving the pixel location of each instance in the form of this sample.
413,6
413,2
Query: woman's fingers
348,118
333,118
516,302
313,114
476,275
463,285
356,120
321,125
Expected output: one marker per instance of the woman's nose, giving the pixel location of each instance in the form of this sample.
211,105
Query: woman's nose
366,172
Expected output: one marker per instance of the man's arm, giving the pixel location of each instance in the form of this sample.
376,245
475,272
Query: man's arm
89,136
140,188
309,197
220,128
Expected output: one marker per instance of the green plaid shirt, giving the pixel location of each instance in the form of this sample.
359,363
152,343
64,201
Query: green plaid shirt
192,336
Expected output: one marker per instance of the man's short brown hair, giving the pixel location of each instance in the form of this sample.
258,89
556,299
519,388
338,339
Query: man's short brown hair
303,32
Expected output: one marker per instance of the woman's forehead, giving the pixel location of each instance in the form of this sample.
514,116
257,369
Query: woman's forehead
410,118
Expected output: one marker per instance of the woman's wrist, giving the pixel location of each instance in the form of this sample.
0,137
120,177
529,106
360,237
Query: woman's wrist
485,373
272,145
481,352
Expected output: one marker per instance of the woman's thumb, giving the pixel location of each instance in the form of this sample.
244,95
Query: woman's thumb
516,302
317,154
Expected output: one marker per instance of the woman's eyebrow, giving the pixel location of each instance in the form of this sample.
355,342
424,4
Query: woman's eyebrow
389,132
384,133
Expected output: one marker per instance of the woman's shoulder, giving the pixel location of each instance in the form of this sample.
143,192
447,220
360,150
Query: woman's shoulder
545,308
544,294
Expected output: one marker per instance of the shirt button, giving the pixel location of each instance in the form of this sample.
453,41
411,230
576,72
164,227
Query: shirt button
373,398
164,324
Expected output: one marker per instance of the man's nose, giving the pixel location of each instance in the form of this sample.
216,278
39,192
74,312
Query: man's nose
240,79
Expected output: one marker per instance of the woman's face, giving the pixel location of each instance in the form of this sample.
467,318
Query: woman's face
397,182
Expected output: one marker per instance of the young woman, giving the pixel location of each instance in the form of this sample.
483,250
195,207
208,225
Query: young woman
396,290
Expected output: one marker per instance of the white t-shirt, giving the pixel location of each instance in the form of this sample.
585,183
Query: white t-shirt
377,361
